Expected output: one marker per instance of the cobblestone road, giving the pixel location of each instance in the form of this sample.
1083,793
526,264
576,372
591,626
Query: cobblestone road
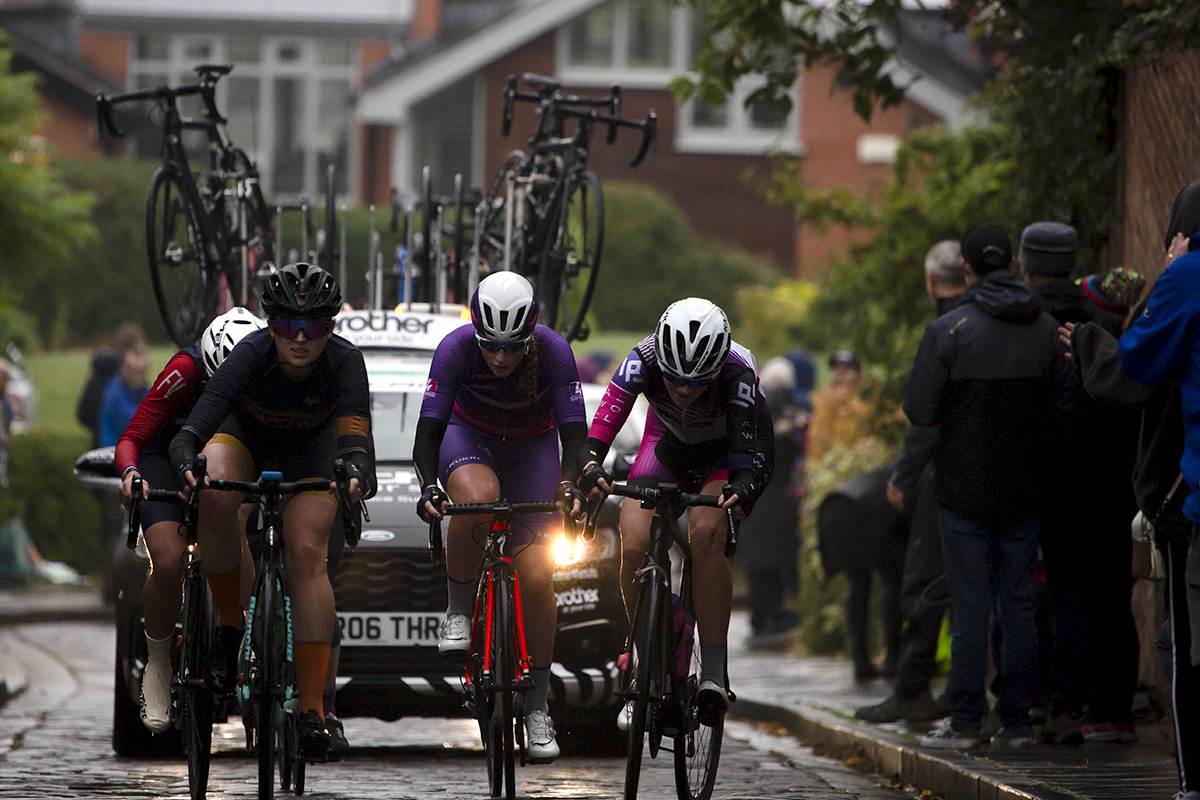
55,743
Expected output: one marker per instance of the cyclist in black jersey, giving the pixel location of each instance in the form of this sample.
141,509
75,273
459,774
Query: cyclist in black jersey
292,397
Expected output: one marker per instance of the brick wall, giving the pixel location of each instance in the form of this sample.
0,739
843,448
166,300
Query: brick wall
1161,134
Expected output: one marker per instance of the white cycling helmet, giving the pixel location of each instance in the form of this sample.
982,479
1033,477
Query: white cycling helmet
692,339
223,333
504,307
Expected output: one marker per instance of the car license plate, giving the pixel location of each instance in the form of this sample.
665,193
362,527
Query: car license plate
389,630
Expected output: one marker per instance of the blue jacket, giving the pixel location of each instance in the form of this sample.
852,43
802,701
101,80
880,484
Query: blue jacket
117,406
1163,346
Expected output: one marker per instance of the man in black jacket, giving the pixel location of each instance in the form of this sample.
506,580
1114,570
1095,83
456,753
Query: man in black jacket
923,595
993,377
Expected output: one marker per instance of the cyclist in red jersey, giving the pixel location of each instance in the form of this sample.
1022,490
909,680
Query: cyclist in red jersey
142,450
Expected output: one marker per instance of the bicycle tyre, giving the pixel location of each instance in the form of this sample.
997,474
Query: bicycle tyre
187,288
490,246
697,746
195,699
327,256
502,756
643,658
267,683
570,264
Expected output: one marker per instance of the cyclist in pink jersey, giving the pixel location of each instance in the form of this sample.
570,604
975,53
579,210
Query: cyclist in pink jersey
707,426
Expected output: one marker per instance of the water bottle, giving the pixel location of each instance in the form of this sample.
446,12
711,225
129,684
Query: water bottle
684,623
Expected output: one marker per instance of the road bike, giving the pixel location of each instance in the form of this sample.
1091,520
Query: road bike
266,690
192,701
660,669
543,215
497,669
208,234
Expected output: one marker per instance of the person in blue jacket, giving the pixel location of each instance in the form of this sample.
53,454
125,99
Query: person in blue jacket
1163,346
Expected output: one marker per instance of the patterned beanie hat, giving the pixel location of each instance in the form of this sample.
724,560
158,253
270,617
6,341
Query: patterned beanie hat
1115,291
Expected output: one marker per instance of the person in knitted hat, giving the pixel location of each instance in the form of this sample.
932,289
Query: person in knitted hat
1116,291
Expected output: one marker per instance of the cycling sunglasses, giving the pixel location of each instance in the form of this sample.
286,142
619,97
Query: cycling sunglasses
312,328
679,383
496,347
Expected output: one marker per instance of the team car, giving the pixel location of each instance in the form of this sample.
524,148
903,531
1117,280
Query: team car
390,595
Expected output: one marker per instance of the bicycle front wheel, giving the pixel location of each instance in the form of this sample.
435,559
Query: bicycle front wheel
571,262
501,754
187,287
645,667
697,746
268,607
195,699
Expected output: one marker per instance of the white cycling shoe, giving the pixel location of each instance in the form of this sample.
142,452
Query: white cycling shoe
624,716
541,746
455,637
156,696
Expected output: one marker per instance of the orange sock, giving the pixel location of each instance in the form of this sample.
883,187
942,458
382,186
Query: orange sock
226,588
312,662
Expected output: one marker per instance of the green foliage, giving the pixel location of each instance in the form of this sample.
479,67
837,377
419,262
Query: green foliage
821,603
653,257
42,223
62,515
774,319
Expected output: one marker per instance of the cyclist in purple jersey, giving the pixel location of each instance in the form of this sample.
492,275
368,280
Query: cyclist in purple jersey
708,425
498,390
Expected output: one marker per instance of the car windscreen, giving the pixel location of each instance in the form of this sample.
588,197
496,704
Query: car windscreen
397,382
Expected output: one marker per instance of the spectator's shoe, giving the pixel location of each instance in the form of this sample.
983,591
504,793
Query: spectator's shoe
946,737
1108,732
339,746
541,747
1011,739
312,737
920,709
222,661
156,696
455,641
1062,729
624,716
712,701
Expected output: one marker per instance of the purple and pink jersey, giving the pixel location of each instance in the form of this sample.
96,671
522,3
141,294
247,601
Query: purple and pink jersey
726,412
461,385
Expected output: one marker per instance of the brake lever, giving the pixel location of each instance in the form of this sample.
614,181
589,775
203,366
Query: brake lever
732,531
649,135
593,517
436,550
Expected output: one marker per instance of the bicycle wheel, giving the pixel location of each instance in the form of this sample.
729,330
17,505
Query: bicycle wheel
327,253
570,264
187,287
501,762
268,607
491,241
256,237
644,667
697,746
195,701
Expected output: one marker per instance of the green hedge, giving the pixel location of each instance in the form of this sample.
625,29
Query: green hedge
62,515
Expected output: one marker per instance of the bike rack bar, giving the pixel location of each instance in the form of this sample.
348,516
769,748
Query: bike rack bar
342,250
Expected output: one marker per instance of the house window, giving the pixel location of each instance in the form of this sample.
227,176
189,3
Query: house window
643,45
288,100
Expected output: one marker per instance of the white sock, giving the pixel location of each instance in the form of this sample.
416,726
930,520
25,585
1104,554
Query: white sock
156,684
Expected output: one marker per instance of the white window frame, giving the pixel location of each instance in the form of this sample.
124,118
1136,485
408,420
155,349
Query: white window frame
737,137
308,69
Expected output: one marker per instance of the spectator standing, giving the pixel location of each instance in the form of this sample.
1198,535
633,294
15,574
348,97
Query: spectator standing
1163,346
988,376
105,363
122,395
769,541
923,596
839,414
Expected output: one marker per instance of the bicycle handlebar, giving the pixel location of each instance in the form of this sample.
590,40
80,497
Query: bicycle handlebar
209,75
140,495
669,496
500,507
352,514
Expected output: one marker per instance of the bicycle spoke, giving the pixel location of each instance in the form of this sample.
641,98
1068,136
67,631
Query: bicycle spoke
186,285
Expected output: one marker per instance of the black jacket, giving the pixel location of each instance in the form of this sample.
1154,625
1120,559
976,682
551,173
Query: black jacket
994,377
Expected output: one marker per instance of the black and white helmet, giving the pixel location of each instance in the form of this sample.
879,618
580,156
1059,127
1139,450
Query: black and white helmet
223,333
692,339
504,308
